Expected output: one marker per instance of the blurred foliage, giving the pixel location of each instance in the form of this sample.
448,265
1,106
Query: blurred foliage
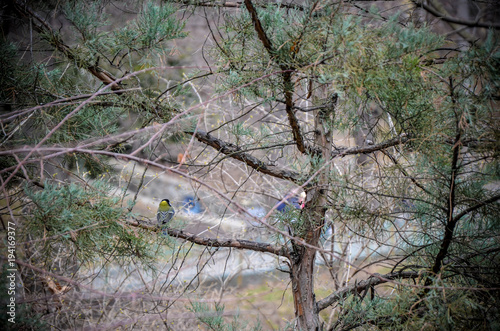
214,319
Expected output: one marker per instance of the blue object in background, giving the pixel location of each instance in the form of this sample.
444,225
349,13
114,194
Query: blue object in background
192,205
293,201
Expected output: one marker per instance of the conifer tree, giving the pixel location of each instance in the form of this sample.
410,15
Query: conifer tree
385,116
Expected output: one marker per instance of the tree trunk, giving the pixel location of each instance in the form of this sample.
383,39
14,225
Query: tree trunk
306,311
313,219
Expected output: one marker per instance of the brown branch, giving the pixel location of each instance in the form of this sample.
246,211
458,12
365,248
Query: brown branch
364,285
292,119
451,222
229,242
450,19
55,40
306,110
287,79
258,27
405,173
9,117
235,152
213,242
467,36
93,293
371,148
475,207
237,4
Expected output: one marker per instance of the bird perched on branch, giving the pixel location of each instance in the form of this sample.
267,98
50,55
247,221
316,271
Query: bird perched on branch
165,212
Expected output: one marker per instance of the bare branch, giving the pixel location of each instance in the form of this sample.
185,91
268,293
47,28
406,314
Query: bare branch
405,173
292,119
213,242
451,222
101,294
371,148
364,285
237,4
236,153
233,243
444,16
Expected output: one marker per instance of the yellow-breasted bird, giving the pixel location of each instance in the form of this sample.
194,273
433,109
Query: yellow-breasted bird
165,212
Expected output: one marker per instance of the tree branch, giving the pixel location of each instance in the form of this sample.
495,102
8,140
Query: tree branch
237,4
229,242
364,285
258,27
479,205
371,148
451,222
287,78
292,119
450,19
235,152
55,40
215,242
405,173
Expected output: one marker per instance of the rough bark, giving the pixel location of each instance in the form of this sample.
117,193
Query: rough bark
313,217
301,273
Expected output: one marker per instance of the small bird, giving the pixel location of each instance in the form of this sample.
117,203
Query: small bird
165,212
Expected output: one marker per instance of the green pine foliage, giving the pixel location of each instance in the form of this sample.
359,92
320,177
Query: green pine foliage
435,112
87,220
383,64
408,197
